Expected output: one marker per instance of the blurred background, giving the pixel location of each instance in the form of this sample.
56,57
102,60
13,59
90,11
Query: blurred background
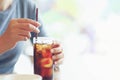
89,32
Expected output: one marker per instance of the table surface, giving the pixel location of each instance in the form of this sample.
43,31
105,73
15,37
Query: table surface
20,77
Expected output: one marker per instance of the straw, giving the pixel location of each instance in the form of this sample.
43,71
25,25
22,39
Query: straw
36,20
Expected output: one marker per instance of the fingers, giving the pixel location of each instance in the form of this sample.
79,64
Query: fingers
20,29
56,50
58,62
58,57
25,20
21,38
55,44
28,27
24,33
26,24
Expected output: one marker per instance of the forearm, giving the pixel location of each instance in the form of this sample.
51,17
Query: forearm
3,45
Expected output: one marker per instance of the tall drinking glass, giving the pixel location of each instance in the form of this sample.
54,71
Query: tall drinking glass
43,63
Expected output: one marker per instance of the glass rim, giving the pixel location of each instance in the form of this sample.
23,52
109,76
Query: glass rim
47,40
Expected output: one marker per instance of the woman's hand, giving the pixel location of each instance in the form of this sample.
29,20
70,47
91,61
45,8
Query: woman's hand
57,52
18,30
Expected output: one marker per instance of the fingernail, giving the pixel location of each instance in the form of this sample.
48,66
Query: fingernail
55,63
25,39
37,30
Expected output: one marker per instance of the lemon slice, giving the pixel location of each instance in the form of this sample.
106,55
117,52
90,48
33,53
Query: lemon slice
46,62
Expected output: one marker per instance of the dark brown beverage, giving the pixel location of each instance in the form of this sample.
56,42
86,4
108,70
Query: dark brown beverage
43,63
